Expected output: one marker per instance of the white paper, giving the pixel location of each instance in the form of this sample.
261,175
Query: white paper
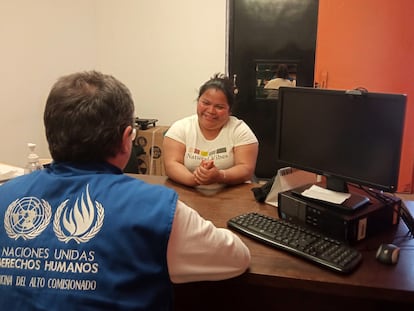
288,178
8,172
319,193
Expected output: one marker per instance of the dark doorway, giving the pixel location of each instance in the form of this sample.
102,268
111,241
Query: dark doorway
263,34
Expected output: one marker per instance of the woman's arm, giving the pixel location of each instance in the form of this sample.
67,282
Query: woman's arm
174,162
245,163
245,157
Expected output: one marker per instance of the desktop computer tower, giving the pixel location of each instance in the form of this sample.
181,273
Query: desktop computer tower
347,226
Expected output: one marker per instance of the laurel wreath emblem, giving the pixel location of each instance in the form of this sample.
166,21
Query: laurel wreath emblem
37,229
79,239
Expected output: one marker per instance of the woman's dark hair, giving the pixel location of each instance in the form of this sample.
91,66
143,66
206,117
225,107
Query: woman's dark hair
222,83
85,116
282,71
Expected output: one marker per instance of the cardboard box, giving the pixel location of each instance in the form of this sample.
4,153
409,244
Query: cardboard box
151,162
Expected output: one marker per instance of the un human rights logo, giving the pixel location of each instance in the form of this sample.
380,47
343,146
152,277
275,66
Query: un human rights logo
79,222
27,218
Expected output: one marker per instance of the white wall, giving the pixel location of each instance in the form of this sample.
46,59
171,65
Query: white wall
162,50
40,41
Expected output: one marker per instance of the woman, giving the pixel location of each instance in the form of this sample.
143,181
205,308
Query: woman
212,147
282,79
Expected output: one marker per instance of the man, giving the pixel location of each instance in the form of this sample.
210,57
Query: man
81,235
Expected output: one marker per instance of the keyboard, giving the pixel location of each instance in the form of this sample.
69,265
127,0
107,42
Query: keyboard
298,240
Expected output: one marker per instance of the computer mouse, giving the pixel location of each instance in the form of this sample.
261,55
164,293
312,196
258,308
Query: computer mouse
388,254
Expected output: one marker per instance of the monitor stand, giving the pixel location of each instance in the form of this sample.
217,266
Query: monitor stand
354,202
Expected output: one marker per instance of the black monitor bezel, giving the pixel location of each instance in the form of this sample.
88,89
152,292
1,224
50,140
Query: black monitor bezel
392,186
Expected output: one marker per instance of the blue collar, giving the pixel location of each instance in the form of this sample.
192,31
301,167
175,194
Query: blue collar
75,168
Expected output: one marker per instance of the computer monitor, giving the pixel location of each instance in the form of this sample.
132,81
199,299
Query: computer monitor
347,136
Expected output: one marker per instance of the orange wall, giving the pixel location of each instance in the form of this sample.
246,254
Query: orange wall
370,43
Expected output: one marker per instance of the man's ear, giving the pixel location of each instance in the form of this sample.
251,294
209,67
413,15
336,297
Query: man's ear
126,139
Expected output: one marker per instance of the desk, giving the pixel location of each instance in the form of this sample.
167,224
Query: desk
278,280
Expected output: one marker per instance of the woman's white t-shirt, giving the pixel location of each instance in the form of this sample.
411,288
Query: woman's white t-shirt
220,149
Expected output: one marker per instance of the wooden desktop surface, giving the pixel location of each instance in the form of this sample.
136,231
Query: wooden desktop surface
277,279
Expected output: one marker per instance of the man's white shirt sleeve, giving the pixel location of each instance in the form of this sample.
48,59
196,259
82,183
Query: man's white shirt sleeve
199,251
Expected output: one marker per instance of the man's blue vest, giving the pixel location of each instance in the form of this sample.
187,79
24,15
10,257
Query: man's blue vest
84,237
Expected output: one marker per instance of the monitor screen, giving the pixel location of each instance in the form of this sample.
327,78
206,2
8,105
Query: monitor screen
347,136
